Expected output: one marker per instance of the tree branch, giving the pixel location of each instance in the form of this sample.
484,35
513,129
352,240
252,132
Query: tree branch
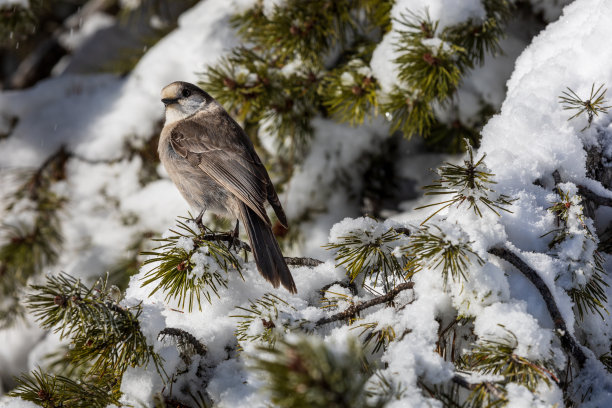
355,309
594,197
311,262
184,337
490,387
586,192
568,343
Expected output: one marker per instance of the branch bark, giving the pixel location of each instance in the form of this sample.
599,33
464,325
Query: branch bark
311,262
586,192
185,337
568,342
594,197
355,309
490,387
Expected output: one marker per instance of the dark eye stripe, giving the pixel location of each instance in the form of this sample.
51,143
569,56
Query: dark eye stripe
186,93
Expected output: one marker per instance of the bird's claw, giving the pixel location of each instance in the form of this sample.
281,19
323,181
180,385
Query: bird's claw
234,237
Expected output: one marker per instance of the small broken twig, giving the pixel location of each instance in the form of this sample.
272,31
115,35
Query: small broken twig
303,261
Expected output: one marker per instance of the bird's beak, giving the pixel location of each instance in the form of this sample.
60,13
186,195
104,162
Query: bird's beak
169,101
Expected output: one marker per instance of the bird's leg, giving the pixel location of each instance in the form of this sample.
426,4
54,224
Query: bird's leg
198,220
235,234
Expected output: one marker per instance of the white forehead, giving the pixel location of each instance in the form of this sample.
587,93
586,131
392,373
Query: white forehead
171,91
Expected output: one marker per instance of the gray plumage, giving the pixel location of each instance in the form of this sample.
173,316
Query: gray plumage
215,167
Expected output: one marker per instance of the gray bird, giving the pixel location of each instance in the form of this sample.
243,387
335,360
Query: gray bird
215,167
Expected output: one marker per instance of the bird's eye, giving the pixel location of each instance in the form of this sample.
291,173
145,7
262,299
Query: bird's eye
186,93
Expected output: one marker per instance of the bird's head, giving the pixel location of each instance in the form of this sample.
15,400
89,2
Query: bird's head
183,99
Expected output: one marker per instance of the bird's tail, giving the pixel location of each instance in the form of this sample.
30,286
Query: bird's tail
267,253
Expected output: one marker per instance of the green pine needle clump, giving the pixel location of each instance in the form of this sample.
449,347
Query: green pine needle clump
187,275
408,112
433,61
592,106
265,313
591,297
378,337
105,336
498,357
470,184
105,339
17,21
435,249
306,373
27,248
588,296
54,391
371,257
426,63
351,93
262,90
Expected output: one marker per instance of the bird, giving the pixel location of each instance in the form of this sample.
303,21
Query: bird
214,165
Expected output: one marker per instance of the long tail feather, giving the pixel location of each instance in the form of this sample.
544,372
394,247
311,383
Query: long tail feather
267,253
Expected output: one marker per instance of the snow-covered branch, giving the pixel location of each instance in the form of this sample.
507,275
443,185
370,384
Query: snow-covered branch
569,344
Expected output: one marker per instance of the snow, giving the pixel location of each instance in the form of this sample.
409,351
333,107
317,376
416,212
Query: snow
109,207
74,39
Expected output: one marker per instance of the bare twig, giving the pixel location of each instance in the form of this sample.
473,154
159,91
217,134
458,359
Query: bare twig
568,342
184,337
355,309
490,387
311,262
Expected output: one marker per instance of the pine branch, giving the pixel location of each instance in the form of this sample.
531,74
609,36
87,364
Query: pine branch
264,313
189,264
590,295
408,112
497,357
469,184
488,386
351,92
226,237
105,336
186,343
370,254
569,344
52,391
306,373
354,310
593,106
454,255
381,335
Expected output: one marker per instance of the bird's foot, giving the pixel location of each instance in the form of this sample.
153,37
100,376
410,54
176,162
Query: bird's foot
234,236
198,221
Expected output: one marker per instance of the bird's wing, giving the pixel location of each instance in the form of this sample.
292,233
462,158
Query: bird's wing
218,146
